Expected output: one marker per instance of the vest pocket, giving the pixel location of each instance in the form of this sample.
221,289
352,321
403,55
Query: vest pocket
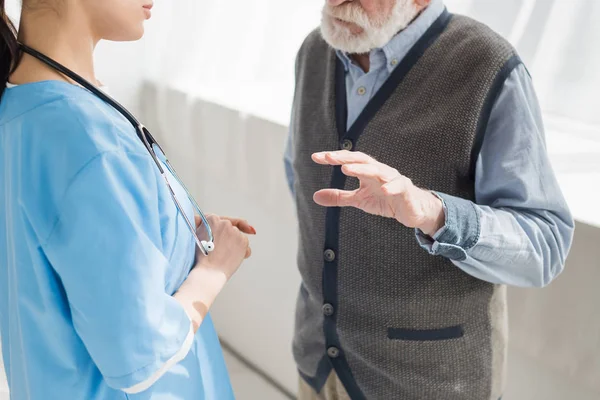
422,335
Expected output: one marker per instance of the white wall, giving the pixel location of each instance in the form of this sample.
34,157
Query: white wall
119,68
554,345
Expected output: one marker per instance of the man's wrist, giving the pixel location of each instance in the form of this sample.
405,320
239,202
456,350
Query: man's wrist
435,218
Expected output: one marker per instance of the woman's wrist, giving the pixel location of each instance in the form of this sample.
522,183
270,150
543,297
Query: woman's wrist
199,291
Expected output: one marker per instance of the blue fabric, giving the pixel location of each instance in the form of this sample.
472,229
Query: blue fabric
460,232
519,230
91,250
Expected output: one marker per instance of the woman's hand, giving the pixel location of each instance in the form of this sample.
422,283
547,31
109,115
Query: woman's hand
239,223
211,273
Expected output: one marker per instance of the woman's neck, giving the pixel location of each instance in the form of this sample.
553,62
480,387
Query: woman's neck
63,37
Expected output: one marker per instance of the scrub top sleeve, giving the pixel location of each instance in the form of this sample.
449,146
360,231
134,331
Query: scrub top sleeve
106,249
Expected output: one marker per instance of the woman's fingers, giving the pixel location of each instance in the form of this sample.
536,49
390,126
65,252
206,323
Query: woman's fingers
239,223
242,225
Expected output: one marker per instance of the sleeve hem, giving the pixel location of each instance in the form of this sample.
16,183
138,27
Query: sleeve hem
147,376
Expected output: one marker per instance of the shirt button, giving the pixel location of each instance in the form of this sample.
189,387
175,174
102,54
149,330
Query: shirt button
328,310
361,90
329,255
347,144
394,62
333,352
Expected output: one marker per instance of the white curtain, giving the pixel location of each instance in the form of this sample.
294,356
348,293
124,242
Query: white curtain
238,53
241,53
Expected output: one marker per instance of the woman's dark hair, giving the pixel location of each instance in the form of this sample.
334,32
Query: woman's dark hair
9,49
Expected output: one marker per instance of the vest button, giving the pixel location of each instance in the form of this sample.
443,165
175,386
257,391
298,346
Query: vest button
329,255
347,144
333,352
328,310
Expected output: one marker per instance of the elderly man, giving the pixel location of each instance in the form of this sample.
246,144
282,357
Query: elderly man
417,160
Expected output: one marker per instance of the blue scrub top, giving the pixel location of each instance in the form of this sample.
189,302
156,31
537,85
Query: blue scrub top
91,250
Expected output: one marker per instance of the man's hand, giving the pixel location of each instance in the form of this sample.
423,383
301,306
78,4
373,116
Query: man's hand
383,191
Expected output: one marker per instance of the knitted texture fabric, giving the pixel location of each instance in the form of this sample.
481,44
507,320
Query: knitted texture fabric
411,326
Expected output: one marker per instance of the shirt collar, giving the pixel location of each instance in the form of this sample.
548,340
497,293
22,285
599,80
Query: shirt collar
397,48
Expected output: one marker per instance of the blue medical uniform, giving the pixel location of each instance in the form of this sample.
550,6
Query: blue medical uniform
91,250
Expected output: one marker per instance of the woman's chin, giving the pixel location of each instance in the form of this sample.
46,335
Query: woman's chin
129,35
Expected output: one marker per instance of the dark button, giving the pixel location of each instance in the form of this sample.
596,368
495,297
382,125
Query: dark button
347,144
329,255
328,309
333,352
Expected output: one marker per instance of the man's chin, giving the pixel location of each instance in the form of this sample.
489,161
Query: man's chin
342,39
349,27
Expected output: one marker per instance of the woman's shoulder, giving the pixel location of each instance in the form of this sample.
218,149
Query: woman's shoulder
54,113
55,131
64,141
68,113
57,124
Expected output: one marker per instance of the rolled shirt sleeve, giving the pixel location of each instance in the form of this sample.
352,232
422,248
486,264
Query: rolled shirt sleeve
106,248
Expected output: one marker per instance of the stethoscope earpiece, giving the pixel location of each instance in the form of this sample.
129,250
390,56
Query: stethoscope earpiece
208,246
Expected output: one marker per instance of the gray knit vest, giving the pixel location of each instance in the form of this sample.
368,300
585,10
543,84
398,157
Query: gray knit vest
393,321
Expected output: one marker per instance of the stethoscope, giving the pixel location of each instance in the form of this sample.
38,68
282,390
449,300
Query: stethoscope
149,142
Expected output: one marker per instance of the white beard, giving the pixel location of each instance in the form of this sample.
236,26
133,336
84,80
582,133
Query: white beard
377,32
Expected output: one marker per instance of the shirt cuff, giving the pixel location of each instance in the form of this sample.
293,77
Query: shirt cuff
460,232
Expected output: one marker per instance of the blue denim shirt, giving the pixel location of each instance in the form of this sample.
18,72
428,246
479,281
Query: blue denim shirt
519,230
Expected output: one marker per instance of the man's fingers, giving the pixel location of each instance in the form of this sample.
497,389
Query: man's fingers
379,172
341,157
335,198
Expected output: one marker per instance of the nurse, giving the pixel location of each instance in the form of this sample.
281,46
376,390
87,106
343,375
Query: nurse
103,294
